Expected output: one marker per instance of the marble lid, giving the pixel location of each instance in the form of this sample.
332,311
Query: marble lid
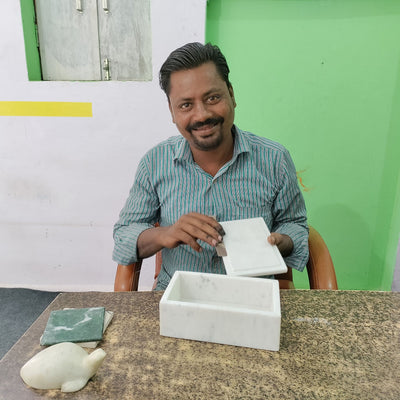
248,251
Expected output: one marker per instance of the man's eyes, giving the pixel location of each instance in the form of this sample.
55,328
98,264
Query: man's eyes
213,99
184,106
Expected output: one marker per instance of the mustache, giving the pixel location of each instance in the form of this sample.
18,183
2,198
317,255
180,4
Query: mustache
200,124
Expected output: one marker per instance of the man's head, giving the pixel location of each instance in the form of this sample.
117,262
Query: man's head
190,56
200,96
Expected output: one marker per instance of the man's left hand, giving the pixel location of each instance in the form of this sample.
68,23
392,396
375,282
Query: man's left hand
284,243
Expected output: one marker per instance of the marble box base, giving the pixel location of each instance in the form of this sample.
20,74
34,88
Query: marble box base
238,311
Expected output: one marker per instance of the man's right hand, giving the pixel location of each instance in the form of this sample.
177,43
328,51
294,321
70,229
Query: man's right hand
187,230
192,227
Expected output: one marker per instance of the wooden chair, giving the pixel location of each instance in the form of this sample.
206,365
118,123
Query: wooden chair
320,269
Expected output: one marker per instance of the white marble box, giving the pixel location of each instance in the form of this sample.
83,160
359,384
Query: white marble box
239,311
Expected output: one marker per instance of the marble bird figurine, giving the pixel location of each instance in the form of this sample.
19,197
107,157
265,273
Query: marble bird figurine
64,366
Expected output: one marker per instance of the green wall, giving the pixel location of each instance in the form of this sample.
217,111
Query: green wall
323,78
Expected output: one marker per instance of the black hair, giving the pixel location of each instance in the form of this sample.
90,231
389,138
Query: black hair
189,56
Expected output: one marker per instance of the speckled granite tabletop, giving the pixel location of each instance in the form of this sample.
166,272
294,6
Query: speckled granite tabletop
334,345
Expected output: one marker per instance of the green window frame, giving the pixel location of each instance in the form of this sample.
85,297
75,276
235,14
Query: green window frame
30,39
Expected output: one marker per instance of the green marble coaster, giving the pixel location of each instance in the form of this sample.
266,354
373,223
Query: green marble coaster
74,325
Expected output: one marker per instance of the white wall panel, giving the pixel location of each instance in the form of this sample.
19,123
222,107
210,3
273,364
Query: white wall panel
63,180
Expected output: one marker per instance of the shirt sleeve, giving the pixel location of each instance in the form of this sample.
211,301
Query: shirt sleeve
289,213
140,212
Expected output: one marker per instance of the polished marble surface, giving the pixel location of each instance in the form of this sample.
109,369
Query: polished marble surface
215,308
248,251
334,345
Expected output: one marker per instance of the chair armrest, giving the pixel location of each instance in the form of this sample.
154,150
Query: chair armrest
127,277
321,272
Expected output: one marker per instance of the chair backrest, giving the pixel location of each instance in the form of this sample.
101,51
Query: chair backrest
320,269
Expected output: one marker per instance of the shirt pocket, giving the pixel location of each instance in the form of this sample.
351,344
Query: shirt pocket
254,212
254,198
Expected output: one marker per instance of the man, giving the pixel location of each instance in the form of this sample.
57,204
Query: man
212,172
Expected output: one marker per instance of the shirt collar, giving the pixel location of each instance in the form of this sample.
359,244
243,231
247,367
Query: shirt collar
241,142
183,151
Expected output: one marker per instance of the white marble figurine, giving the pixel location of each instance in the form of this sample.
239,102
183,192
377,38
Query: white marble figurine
64,365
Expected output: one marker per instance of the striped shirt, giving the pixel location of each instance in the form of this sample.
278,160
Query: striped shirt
259,181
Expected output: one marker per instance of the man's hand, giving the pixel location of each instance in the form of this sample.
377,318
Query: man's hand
192,227
284,243
187,230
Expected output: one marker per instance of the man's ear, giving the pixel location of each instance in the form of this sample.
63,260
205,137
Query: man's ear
232,94
171,111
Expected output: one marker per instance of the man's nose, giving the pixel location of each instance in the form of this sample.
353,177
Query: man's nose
201,112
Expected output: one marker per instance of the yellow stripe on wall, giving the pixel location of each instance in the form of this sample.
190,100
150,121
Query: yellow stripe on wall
45,109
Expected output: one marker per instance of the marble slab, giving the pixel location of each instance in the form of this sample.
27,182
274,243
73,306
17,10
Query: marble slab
74,325
248,251
239,311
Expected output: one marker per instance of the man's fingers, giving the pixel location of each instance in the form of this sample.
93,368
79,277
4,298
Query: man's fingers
193,227
272,239
283,242
201,227
204,233
207,223
190,241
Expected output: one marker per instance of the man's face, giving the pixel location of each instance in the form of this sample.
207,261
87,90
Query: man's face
202,106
